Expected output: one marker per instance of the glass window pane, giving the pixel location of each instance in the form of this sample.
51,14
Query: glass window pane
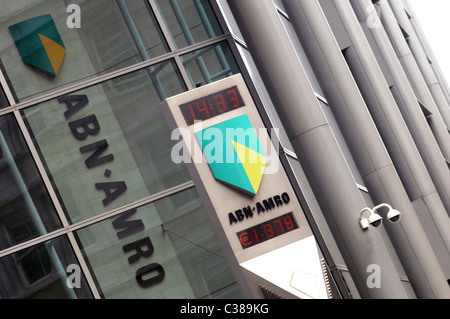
189,21
109,145
112,35
40,272
210,64
181,255
25,207
3,99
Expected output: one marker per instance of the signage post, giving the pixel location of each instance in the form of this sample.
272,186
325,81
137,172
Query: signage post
245,190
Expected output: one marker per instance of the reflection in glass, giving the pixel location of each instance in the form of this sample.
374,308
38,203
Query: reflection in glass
115,48
126,153
180,255
39,272
3,100
210,64
113,35
25,208
189,21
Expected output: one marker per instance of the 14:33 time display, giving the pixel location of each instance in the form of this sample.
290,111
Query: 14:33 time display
212,105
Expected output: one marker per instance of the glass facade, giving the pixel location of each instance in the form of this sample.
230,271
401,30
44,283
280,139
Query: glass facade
26,209
182,258
189,22
92,206
119,118
108,40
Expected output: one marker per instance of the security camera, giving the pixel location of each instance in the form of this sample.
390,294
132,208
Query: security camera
393,215
375,220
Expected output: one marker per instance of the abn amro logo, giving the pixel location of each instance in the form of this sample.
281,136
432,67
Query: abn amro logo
234,153
40,44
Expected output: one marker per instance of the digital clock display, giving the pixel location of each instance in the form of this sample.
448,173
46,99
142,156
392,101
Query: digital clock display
212,105
263,232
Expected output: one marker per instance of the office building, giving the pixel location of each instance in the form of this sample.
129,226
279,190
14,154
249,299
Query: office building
93,205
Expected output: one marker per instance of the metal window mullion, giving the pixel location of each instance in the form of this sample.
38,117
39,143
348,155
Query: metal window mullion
162,25
33,242
7,110
185,76
137,204
84,267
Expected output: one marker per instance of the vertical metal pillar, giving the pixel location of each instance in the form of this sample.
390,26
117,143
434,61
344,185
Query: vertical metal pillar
414,75
418,126
423,40
422,61
368,150
411,111
314,142
410,67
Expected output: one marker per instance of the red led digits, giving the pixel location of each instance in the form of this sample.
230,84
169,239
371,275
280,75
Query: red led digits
267,230
201,107
212,105
220,102
234,98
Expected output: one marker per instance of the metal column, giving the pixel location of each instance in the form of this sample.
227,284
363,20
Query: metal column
422,61
411,112
362,136
315,145
418,125
422,38
414,75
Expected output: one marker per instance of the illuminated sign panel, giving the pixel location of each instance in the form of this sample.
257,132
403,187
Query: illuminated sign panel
245,190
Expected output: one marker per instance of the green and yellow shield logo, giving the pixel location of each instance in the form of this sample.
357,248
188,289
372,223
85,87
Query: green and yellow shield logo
234,153
40,44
